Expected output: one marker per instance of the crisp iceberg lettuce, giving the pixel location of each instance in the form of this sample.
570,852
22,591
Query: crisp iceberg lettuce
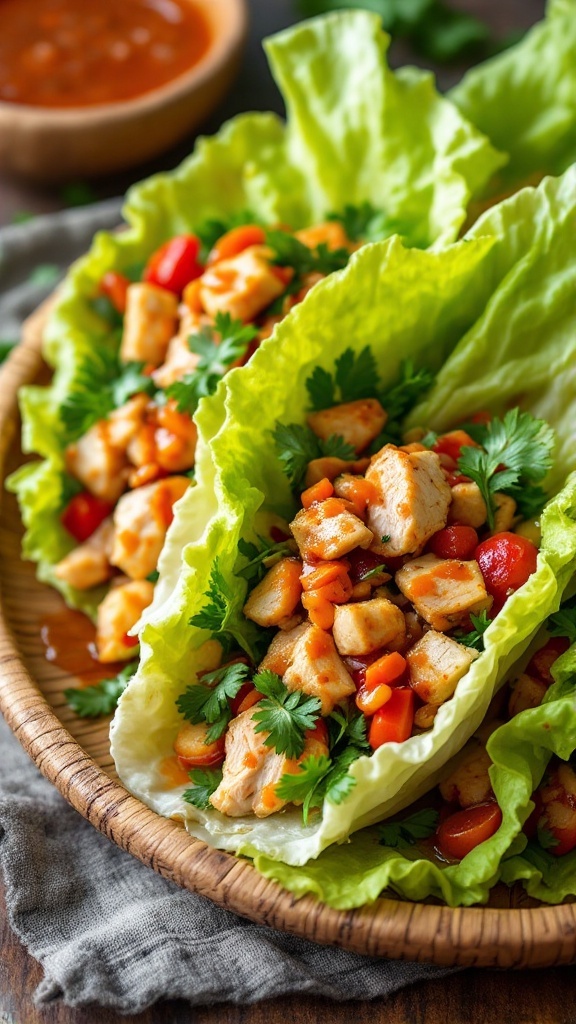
356,132
525,99
501,301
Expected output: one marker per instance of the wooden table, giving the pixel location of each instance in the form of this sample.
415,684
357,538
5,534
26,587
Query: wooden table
484,997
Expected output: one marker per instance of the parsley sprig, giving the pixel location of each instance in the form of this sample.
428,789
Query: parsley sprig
262,556
475,638
219,616
364,222
402,834
101,384
355,376
102,698
516,454
283,714
216,357
297,445
563,622
289,251
209,700
205,783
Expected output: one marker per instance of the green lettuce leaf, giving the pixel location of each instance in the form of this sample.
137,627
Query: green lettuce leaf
402,303
356,132
524,99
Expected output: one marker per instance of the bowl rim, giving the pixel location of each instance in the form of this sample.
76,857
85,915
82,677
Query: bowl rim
231,34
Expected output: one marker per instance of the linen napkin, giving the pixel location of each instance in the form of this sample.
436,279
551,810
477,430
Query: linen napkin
105,928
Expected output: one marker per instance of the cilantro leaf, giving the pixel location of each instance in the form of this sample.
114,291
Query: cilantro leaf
400,834
364,222
102,698
216,357
212,229
284,715
153,576
339,783
297,445
101,384
355,376
411,384
519,442
206,782
262,556
301,787
349,725
290,252
218,617
208,700
563,622
475,638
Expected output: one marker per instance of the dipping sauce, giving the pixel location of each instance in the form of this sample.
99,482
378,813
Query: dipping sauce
78,53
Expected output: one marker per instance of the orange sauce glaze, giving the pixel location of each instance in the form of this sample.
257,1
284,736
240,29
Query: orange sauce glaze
78,53
69,641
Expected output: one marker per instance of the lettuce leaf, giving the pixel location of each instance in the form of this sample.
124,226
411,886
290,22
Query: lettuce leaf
403,303
524,99
356,132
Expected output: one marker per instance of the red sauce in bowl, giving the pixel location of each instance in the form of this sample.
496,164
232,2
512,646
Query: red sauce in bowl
79,53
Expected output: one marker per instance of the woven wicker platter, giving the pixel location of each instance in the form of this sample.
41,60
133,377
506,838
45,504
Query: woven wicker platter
74,755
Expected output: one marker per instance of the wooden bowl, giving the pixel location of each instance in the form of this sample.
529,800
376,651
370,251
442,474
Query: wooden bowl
74,754
62,144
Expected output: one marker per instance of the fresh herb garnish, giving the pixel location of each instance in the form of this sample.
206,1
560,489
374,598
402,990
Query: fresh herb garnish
371,573
355,376
363,223
219,616
283,714
215,359
400,834
303,786
212,229
261,556
297,445
563,622
153,576
102,698
384,539
290,252
519,443
209,700
475,638
546,839
101,384
411,384
206,782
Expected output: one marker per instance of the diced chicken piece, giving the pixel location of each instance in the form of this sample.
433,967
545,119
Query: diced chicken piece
330,232
180,360
469,783
357,422
317,669
117,614
88,565
175,439
149,323
280,654
274,599
252,771
97,463
436,664
468,506
125,422
444,591
411,500
505,512
242,285
328,530
142,518
366,626
527,692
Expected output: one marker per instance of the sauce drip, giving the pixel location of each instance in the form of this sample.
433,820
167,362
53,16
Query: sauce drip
79,53
69,639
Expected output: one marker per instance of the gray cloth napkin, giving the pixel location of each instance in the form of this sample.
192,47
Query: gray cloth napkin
105,928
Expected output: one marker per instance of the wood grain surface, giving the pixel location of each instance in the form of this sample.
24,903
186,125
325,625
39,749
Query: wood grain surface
73,754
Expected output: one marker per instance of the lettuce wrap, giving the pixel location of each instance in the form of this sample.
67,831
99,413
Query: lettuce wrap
356,133
501,301
524,99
